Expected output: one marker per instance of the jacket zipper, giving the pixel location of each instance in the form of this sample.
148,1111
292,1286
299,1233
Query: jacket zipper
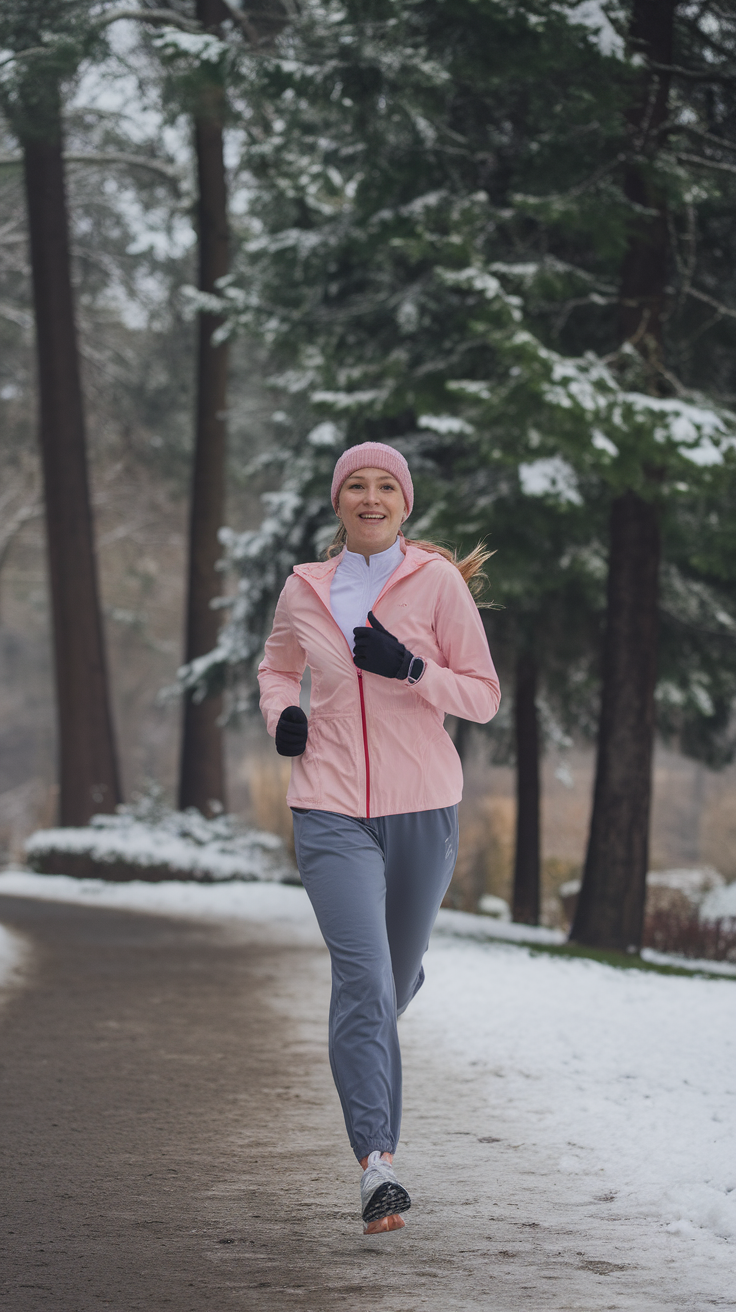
365,748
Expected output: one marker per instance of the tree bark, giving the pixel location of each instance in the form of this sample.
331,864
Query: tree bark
202,771
88,774
527,858
610,908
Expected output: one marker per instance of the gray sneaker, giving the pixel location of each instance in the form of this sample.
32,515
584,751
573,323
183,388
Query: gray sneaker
380,1192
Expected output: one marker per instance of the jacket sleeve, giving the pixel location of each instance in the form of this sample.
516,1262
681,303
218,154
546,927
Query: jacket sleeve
280,672
468,685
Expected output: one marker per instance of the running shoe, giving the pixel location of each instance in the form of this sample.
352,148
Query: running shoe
380,1192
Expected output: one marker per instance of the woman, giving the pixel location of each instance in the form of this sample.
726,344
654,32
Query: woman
394,642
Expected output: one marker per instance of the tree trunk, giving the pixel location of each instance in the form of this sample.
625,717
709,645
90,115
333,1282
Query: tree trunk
610,910
526,862
88,774
202,775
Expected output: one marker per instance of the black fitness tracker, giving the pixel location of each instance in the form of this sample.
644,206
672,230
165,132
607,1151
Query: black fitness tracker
416,669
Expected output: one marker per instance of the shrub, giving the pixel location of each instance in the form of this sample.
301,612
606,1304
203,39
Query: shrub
679,930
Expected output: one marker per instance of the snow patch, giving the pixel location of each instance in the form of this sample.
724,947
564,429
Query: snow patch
603,443
325,434
497,907
444,424
719,904
201,46
182,843
595,16
463,924
551,477
349,400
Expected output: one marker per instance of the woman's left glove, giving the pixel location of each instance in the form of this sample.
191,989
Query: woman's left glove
379,652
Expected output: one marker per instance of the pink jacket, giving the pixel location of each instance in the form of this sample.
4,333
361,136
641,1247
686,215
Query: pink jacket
377,746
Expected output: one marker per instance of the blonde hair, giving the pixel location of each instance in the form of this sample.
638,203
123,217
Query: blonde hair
470,566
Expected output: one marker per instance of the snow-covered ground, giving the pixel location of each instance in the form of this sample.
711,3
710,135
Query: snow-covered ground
625,1079
629,1077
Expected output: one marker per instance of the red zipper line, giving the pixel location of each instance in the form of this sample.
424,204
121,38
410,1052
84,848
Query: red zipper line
387,588
365,749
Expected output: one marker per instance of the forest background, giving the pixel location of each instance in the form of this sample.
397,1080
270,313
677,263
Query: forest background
499,235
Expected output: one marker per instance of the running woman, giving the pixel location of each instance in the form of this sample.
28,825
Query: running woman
394,642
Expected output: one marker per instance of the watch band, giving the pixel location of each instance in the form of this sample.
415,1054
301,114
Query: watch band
416,669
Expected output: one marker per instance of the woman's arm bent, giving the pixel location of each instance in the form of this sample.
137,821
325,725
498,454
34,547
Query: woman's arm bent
468,685
280,672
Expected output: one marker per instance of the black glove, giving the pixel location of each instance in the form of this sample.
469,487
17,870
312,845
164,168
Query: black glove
291,732
379,652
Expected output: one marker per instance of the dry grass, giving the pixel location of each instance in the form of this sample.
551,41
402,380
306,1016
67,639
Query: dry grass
267,778
485,858
678,930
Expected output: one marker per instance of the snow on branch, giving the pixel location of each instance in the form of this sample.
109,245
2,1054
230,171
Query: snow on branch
168,16
602,21
298,522
202,46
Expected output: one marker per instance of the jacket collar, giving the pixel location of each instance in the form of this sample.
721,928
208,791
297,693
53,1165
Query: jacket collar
320,573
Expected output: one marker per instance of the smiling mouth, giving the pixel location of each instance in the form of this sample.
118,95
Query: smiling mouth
368,516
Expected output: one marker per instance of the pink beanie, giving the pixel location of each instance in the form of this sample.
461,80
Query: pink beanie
373,455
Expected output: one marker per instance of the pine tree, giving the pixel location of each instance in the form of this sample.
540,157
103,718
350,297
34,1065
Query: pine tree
443,247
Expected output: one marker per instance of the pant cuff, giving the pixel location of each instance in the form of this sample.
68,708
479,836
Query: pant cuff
381,1147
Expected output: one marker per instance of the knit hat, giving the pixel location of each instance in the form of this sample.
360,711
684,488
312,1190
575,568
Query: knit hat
373,455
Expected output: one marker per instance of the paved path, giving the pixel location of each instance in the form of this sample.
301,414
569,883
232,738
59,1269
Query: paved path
170,1138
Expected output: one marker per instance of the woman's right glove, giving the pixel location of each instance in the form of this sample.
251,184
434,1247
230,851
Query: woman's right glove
291,732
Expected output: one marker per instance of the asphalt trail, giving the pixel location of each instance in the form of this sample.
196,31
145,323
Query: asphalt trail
170,1138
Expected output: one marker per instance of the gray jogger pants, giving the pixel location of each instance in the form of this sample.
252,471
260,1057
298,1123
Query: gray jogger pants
376,887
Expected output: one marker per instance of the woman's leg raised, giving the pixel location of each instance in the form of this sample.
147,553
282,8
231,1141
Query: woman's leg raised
421,851
342,868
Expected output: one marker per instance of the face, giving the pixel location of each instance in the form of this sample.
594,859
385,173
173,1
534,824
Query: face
371,506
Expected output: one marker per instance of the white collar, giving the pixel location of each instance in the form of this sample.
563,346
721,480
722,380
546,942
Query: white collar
355,562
